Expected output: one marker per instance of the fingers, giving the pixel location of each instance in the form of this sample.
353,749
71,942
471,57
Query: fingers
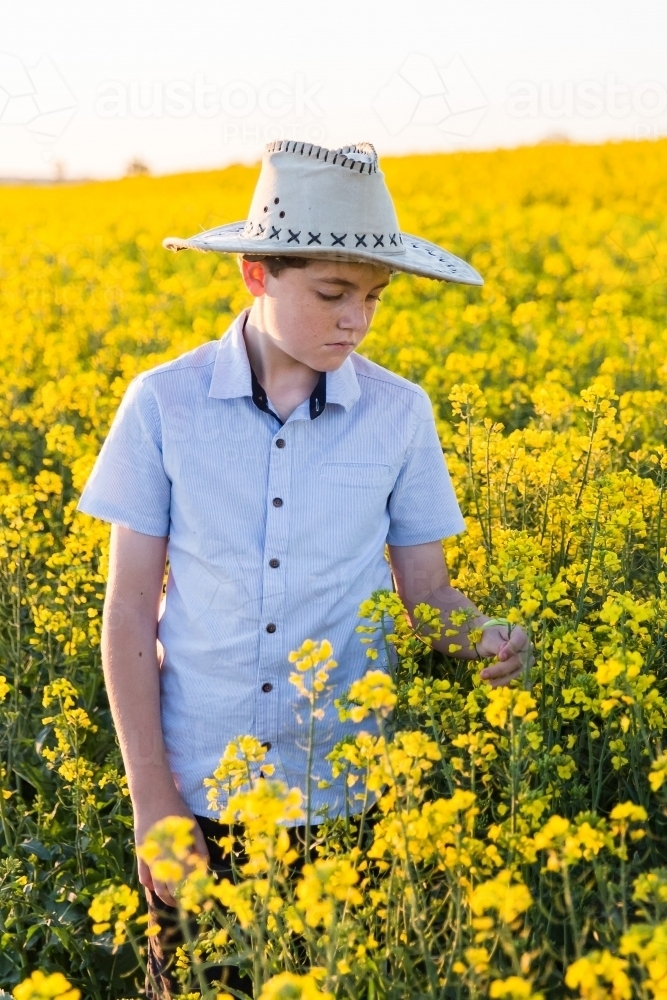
502,672
162,890
502,668
505,679
526,654
518,647
517,642
145,877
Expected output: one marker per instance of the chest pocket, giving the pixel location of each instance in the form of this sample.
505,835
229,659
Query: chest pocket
355,475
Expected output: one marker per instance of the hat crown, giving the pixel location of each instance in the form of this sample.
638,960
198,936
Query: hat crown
312,198
359,155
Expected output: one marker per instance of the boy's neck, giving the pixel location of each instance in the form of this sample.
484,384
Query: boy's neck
286,381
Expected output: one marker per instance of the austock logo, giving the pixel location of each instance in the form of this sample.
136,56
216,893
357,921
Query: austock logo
36,98
421,93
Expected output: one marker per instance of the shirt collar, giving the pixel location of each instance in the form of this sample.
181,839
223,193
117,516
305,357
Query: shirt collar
232,375
316,403
343,385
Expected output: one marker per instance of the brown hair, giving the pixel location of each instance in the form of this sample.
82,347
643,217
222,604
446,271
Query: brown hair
275,265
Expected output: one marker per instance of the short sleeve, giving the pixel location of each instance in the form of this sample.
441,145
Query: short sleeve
128,485
423,505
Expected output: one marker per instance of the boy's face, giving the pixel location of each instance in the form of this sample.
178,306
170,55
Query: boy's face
317,314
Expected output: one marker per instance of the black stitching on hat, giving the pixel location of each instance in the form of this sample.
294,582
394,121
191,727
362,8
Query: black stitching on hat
275,233
266,208
346,153
260,229
392,239
276,200
314,238
379,240
293,237
338,241
281,214
361,239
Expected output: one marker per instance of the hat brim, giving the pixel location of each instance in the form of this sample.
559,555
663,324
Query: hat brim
418,256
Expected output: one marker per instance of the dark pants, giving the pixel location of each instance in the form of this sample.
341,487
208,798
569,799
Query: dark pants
162,947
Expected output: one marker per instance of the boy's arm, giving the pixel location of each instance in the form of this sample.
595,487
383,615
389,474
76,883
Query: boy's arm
132,675
421,576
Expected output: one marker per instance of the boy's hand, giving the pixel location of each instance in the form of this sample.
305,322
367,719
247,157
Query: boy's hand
146,815
513,654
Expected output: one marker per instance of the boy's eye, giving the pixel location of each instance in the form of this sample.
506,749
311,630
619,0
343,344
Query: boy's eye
329,298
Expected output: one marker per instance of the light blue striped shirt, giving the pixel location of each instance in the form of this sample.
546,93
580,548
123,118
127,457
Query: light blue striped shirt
276,534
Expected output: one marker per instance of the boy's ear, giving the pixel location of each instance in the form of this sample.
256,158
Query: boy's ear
254,276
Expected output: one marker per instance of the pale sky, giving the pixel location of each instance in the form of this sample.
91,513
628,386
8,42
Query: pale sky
88,86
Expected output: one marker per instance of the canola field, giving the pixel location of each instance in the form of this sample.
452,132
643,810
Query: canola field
519,849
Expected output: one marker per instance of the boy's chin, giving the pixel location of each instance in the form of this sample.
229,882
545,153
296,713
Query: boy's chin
331,357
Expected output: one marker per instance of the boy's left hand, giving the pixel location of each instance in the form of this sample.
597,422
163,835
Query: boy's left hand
513,654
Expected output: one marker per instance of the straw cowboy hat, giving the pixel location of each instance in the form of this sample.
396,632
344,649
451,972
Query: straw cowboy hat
328,203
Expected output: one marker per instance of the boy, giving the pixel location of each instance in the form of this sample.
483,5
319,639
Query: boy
271,468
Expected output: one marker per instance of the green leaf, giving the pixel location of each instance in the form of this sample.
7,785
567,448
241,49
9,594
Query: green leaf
33,846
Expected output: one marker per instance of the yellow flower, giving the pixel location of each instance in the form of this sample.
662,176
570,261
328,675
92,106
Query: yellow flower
524,703
649,945
374,692
171,836
628,811
324,883
514,988
307,658
658,774
310,654
478,960
117,904
39,986
241,763
289,986
508,899
600,976
500,701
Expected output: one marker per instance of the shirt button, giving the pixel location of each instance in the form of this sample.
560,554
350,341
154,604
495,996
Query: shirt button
277,502
270,627
280,443
267,687
274,563
266,745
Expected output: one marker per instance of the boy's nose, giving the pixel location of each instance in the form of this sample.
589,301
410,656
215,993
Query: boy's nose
355,318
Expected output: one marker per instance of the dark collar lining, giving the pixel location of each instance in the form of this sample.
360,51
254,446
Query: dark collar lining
318,397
